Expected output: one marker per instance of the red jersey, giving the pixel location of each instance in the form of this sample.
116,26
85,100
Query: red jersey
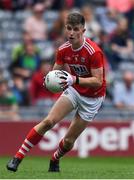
81,61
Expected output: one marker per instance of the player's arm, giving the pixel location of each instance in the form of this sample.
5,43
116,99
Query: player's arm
64,67
95,81
58,66
97,70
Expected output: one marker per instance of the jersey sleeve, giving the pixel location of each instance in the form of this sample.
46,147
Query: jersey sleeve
97,60
59,57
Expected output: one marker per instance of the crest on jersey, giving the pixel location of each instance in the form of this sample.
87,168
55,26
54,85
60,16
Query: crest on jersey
76,57
82,59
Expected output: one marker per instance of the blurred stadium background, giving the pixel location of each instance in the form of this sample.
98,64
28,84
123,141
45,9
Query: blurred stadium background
30,32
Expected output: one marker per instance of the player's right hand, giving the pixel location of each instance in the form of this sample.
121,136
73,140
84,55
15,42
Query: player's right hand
67,80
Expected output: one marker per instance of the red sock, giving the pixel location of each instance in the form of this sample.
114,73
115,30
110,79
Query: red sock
31,140
61,151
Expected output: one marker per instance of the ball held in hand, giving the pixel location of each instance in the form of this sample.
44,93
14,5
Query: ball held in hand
53,81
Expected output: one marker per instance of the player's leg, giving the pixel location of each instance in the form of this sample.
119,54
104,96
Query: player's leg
87,109
66,144
60,109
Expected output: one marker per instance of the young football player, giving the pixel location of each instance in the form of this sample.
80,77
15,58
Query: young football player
84,91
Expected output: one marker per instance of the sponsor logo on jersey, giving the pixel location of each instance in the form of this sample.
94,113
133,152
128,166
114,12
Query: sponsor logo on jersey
79,70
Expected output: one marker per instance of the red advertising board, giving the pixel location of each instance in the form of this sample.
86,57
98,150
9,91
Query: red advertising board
99,139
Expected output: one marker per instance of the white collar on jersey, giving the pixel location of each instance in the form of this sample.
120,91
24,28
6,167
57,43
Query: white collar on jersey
80,46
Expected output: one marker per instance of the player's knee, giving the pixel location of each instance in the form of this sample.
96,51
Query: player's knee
68,143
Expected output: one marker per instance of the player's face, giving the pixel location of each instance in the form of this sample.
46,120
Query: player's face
75,34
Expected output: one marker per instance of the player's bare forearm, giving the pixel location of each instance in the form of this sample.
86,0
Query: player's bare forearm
90,82
64,67
57,67
95,81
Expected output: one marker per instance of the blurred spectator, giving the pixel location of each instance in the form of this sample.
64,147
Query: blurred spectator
80,3
93,28
123,92
125,7
121,44
107,19
60,4
57,5
20,91
35,25
22,4
69,4
8,103
15,5
6,4
38,92
57,33
25,58
104,42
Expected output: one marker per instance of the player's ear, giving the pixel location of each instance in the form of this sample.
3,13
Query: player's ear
84,30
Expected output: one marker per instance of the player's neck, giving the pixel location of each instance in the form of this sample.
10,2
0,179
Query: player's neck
78,44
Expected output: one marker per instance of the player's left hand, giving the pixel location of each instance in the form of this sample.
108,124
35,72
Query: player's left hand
67,80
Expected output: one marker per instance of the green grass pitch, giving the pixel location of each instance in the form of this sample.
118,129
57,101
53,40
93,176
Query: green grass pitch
72,168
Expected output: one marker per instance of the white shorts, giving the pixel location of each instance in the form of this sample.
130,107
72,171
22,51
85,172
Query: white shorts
86,107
